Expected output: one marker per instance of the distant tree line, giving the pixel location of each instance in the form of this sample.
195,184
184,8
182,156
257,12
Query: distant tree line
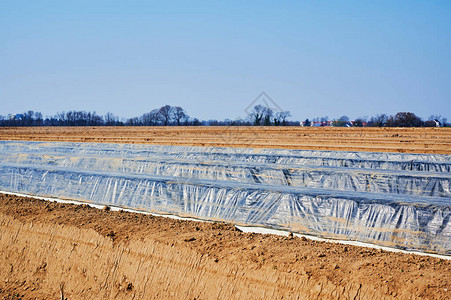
165,116
70,118
401,119
406,119
262,115
168,115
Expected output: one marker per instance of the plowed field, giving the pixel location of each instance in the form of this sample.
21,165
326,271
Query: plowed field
408,140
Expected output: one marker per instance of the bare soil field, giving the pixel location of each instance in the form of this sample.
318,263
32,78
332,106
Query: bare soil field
48,249
408,140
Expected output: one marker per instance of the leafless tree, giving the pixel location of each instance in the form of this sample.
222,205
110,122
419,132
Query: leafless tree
261,115
111,119
180,115
281,117
152,118
167,112
378,121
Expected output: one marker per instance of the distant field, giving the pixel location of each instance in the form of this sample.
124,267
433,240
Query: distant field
405,140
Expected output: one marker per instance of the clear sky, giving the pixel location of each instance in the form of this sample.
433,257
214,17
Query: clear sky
313,58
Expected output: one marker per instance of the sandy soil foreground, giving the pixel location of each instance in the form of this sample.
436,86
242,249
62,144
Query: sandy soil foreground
85,253
409,140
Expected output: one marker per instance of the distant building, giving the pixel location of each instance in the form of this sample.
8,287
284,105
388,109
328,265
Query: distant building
317,124
15,117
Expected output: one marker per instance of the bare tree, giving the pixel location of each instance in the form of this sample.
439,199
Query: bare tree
146,119
378,121
180,115
28,118
167,112
261,114
133,122
268,115
111,119
281,117
38,119
156,117
152,118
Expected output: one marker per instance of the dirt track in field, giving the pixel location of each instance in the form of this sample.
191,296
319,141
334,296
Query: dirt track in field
408,140
89,253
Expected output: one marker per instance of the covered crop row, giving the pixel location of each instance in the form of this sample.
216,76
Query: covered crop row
398,200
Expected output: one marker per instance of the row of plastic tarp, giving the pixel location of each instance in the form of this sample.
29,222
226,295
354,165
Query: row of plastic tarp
397,200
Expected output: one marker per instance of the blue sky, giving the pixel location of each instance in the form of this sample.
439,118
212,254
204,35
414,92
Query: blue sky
314,58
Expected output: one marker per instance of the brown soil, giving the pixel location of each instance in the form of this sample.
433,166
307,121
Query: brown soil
411,140
87,253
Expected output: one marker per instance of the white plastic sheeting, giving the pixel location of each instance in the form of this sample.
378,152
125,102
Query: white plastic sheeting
397,200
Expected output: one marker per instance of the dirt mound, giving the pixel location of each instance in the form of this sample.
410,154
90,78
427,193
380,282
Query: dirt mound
48,248
408,140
